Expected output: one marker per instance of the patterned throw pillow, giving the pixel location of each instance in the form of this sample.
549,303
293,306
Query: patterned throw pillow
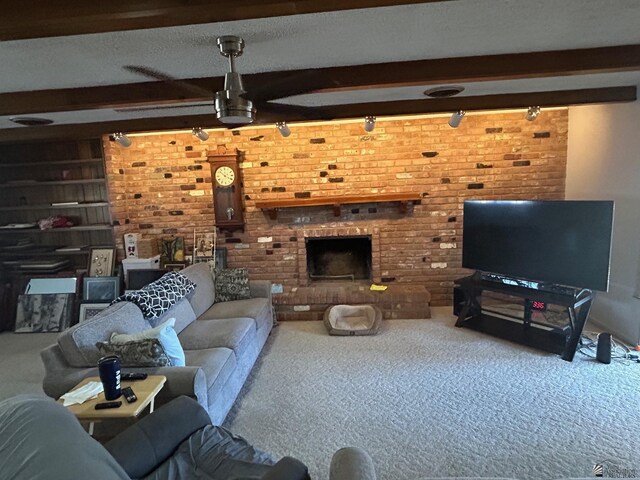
142,353
232,284
159,296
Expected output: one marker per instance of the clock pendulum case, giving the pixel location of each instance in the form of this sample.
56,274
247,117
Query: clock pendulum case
227,191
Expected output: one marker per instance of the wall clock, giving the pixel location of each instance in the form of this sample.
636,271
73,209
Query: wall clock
227,191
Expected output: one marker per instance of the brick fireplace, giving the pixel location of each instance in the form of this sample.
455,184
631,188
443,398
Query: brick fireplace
161,186
338,258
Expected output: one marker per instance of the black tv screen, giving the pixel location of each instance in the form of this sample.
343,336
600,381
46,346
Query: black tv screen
553,242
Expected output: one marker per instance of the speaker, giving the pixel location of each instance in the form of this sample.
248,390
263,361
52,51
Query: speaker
603,353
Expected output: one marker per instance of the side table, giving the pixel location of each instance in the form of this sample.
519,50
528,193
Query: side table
146,391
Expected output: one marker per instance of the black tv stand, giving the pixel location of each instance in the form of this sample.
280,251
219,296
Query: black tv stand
563,341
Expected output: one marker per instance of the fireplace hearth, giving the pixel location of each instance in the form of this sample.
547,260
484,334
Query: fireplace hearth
339,258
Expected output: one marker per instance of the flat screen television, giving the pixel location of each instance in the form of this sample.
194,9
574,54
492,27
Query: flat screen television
553,242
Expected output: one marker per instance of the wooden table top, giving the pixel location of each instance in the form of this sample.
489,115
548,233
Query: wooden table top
145,390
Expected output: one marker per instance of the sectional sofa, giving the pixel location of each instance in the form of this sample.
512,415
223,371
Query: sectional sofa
221,342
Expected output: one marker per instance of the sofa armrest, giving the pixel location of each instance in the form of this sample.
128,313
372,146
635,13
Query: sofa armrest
287,468
351,463
189,381
260,288
149,442
60,377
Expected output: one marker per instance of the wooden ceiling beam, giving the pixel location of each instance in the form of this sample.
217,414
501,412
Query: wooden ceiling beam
45,18
420,72
407,107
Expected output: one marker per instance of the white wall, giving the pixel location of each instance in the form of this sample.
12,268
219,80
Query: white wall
604,164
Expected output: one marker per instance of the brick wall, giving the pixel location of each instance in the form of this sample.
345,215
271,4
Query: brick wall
161,186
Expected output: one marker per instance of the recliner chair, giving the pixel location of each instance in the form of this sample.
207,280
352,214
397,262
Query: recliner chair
40,439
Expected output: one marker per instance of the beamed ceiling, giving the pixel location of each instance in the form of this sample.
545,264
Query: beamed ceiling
64,60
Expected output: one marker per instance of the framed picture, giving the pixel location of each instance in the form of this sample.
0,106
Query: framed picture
101,262
203,246
172,249
101,288
43,312
90,309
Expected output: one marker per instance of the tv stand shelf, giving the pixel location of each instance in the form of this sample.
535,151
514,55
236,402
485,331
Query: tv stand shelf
562,341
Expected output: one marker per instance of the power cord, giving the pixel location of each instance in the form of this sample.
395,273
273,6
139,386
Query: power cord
619,351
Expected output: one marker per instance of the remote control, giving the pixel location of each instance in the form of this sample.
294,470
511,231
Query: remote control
104,405
129,377
128,394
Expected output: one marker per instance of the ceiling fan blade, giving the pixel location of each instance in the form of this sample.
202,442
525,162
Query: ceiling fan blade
160,107
305,82
292,112
164,77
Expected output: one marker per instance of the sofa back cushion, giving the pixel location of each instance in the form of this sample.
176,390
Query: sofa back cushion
181,311
204,295
78,343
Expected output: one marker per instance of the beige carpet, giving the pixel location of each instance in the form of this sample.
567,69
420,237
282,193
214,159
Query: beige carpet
429,400
21,370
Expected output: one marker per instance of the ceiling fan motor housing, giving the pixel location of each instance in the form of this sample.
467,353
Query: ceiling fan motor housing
233,109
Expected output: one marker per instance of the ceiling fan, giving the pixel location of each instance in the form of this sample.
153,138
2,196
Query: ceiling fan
234,106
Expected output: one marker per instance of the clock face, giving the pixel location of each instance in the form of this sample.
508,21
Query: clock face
225,176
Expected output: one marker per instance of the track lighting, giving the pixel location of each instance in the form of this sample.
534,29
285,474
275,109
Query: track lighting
369,123
284,129
533,113
122,139
456,118
200,133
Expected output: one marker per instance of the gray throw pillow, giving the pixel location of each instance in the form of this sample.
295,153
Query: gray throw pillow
141,353
232,284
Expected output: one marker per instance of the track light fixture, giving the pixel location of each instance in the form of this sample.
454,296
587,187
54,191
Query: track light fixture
532,113
200,133
369,123
122,139
284,129
456,118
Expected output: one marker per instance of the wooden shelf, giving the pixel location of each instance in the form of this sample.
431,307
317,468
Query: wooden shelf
52,163
77,228
53,207
272,206
35,183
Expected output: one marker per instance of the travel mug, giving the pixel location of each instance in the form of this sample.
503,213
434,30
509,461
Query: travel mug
109,368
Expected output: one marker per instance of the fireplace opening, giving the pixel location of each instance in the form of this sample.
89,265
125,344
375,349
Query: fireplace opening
339,258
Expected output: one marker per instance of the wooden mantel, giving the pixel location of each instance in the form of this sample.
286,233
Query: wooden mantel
272,206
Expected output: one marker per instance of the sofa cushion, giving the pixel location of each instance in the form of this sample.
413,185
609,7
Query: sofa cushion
232,333
232,284
217,363
181,311
214,453
164,333
147,352
204,294
78,343
257,308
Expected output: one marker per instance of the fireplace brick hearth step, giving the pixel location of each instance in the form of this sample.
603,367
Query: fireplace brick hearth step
400,301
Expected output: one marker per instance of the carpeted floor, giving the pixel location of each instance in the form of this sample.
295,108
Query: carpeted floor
426,399
21,370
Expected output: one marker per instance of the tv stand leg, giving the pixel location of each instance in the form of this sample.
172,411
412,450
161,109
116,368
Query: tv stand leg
578,315
471,305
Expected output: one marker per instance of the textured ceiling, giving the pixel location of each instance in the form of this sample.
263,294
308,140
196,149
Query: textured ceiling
410,32
354,37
